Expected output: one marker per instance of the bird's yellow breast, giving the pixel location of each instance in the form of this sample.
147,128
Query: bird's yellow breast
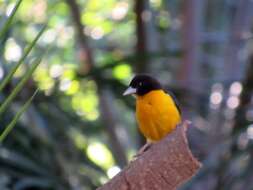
157,114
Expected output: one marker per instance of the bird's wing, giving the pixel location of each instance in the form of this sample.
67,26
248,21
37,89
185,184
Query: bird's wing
175,100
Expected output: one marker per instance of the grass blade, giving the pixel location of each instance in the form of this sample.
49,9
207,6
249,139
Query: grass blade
11,125
9,19
27,51
19,85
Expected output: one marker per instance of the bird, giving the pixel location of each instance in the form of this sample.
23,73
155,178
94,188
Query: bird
157,111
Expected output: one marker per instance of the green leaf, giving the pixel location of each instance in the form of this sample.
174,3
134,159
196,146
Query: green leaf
7,24
20,85
11,125
27,51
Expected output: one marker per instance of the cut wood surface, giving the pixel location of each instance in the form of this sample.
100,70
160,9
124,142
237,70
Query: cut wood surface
164,166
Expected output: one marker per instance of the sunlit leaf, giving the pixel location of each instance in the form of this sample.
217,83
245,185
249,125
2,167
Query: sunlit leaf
43,78
100,154
122,72
73,88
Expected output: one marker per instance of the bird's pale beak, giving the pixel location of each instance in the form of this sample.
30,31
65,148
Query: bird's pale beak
129,90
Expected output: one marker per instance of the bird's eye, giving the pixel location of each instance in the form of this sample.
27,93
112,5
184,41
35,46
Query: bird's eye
140,84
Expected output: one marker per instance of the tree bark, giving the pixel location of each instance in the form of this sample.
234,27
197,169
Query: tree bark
241,25
85,53
164,166
189,73
141,44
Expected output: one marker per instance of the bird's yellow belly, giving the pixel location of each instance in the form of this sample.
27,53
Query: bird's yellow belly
156,115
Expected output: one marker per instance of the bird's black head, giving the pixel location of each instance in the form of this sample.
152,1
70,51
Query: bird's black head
142,84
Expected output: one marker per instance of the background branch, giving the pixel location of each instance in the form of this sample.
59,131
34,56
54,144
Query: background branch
87,63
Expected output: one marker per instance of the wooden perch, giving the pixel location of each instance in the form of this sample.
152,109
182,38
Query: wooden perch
164,166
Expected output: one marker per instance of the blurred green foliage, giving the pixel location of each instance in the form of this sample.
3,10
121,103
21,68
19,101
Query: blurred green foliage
79,131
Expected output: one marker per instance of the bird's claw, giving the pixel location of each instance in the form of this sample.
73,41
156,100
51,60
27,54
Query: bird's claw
143,149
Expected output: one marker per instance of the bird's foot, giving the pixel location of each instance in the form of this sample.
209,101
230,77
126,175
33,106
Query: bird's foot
143,149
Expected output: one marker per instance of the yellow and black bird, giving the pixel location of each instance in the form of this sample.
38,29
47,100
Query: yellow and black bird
157,112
